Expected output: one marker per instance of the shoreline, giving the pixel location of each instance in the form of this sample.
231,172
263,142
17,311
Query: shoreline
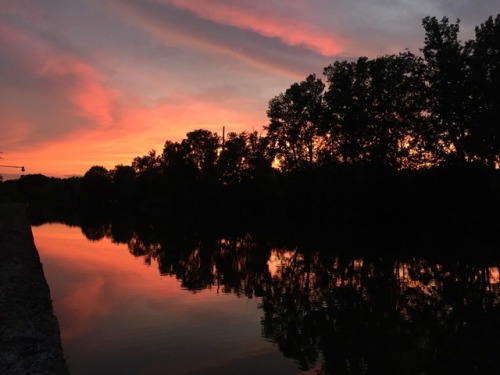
30,340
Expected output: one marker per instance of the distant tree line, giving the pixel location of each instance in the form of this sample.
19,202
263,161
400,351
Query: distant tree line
405,130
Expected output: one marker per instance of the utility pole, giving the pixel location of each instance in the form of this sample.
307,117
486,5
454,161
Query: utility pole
223,137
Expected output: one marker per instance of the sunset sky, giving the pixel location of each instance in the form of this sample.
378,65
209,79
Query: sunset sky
93,82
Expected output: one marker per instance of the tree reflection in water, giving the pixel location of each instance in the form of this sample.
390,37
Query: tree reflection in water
339,314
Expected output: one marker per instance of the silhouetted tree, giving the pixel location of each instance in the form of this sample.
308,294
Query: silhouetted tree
372,110
293,131
148,163
447,96
124,182
172,157
260,157
394,92
199,150
233,158
243,157
97,185
346,114
485,82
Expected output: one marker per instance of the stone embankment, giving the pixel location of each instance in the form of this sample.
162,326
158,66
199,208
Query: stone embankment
30,341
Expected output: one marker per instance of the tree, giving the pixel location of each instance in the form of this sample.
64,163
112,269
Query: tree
172,157
233,158
372,108
200,149
394,109
96,185
124,180
346,111
147,163
243,157
293,131
485,83
447,92
259,158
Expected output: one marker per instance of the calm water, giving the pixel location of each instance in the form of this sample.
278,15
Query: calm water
131,305
120,316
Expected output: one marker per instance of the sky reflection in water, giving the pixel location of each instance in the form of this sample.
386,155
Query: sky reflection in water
299,311
118,315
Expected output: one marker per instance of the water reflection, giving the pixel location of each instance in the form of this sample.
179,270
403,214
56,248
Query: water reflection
118,316
335,313
384,316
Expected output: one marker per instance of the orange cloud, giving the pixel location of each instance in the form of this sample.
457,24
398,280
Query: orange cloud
289,30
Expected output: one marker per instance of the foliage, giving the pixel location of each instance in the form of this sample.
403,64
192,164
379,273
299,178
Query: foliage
294,128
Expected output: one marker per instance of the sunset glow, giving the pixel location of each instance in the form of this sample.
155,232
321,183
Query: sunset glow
88,83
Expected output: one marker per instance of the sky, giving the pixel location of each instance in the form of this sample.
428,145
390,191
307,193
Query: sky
99,82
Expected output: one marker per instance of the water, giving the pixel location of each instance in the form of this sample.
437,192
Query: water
141,305
120,316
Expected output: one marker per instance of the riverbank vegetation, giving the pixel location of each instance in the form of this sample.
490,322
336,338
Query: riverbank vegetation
407,144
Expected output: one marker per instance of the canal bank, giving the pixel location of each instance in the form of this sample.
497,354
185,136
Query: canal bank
30,340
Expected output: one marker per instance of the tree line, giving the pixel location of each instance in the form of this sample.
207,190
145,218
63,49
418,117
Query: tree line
401,111
398,111
400,136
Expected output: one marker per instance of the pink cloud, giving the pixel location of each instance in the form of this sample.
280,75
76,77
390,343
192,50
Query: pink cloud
62,114
99,279
87,90
289,30
84,304
141,129
171,34
66,76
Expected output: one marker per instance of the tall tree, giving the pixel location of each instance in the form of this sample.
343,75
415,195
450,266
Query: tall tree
395,109
485,82
372,109
447,94
346,110
293,131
